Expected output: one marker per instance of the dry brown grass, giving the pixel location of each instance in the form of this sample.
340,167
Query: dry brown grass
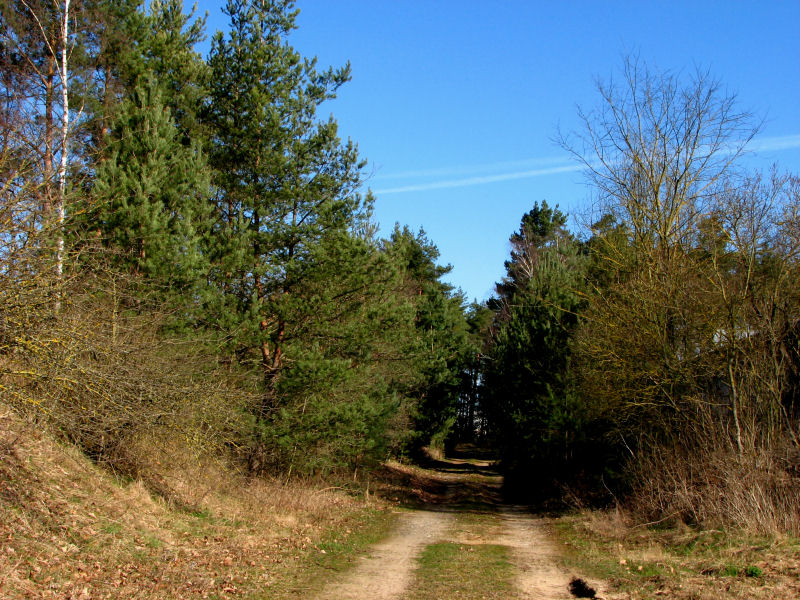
701,522
70,529
752,491
681,562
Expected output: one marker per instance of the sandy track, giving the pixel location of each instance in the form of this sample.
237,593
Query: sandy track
534,555
387,571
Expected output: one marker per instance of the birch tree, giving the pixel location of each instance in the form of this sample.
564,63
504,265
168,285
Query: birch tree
38,45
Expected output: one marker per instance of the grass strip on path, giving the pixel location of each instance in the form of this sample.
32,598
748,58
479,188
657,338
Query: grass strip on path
463,572
468,565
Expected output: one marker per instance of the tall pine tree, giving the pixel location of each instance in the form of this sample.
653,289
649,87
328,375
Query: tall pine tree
283,180
441,347
528,397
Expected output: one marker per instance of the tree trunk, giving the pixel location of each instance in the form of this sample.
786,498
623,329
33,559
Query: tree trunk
62,168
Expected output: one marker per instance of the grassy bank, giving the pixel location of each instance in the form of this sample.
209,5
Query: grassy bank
70,529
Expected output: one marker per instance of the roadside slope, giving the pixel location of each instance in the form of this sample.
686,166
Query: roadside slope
70,529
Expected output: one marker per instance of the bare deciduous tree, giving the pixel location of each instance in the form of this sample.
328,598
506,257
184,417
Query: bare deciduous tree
656,146
690,341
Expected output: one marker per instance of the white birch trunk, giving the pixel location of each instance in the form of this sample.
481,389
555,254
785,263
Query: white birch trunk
62,168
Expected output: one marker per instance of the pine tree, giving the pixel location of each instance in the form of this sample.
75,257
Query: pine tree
528,394
441,346
471,423
283,180
165,39
152,192
336,403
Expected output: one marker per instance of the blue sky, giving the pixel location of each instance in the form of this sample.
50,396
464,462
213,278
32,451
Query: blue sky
455,103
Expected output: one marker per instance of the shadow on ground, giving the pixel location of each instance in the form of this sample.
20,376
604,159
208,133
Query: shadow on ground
466,481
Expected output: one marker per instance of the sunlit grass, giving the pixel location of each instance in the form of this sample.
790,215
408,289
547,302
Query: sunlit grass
680,561
463,572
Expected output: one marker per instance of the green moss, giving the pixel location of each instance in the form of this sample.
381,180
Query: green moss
753,571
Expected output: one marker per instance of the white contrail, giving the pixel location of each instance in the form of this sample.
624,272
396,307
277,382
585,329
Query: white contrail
467,169
770,144
454,183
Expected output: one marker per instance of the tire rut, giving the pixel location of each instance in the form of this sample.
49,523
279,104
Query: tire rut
388,570
539,576
457,487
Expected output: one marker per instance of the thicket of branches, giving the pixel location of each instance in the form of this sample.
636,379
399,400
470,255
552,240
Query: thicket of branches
665,344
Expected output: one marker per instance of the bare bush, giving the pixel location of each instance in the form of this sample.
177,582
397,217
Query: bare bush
106,374
713,487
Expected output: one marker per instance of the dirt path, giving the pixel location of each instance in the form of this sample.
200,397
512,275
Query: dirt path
387,571
539,575
447,491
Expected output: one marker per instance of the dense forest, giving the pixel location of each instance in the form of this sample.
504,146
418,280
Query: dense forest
187,257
